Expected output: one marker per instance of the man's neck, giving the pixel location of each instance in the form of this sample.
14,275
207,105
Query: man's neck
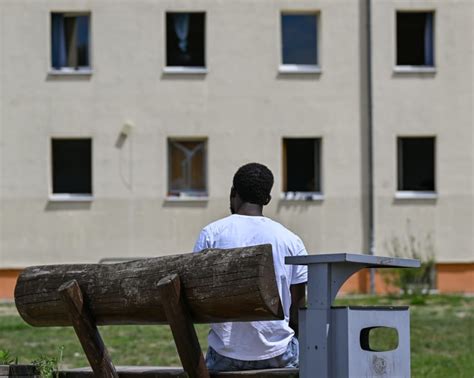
250,209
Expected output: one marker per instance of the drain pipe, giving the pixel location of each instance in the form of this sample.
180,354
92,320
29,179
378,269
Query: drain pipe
370,142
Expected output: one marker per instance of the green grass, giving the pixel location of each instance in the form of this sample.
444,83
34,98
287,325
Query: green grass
442,337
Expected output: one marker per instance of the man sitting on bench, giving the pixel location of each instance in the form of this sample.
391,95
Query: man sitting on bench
262,344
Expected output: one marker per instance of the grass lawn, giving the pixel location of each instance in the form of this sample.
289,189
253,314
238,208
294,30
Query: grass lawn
442,338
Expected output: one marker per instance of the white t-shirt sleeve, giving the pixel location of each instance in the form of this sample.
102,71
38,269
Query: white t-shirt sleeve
300,272
202,242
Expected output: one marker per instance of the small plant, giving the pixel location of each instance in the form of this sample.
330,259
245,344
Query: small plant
48,367
6,358
415,282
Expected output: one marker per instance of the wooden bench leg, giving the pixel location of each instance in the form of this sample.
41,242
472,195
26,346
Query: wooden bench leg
86,330
182,327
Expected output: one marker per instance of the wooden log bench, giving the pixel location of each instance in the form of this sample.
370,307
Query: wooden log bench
208,287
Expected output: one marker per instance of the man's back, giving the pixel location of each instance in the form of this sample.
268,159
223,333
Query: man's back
256,340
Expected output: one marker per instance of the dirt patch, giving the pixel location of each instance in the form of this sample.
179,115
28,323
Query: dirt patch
8,310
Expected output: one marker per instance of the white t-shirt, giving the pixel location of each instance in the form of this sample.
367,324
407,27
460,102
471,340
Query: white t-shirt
250,341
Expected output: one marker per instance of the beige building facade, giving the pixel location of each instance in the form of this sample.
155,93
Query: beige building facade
138,111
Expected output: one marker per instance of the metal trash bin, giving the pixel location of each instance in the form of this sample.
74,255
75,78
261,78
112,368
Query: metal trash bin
351,353
332,338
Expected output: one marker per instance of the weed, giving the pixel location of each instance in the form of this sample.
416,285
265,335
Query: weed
414,281
5,358
48,367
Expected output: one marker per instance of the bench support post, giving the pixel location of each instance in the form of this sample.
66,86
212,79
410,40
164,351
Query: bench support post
182,327
86,330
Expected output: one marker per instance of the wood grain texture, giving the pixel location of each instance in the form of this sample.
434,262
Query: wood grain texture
219,285
86,330
182,327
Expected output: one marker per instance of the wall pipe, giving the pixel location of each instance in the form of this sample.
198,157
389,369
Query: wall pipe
370,142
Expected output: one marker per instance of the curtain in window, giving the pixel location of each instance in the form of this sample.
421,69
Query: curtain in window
429,42
181,27
58,42
82,36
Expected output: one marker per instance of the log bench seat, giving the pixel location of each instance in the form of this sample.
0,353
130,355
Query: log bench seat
213,286
176,372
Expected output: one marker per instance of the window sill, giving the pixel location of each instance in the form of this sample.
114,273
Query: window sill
414,69
299,69
415,195
302,196
186,198
71,197
70,72
185,70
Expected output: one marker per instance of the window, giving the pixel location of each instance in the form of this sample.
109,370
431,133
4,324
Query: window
70,41
416,164
187,168
415,39
299,41
185,39
72,167
301,167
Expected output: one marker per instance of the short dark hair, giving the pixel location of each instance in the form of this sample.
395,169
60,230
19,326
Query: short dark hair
253,182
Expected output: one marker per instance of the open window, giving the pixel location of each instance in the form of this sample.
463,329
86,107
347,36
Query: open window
299,38
187,168
70,42
71,168
415,39
416,165
302,168
185,40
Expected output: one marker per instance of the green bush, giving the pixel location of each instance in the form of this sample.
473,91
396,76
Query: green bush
415,282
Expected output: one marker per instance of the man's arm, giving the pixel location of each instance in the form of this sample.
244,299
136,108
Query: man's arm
202,242
298,299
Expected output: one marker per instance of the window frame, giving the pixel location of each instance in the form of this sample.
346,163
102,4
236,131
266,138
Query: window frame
69,197
301,195
85,70
186,70
187,195
410,193
284,68
407,68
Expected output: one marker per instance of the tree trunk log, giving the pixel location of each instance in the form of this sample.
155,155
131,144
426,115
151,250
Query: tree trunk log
218,285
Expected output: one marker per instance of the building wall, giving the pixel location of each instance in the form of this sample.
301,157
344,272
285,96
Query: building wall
427,104
244,107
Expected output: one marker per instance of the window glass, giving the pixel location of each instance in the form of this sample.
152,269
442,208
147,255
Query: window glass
416,164
415,39
299,39
70,41
187,167
72,166
185,39
302,165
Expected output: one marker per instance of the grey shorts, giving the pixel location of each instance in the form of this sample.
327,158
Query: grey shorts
289,359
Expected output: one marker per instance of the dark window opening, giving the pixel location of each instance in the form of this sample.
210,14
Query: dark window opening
72,166
302,165
415,39
185,39
187,167
70,40
299,39
416,164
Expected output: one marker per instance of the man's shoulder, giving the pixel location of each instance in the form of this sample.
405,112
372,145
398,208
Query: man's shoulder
282,229
218,224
